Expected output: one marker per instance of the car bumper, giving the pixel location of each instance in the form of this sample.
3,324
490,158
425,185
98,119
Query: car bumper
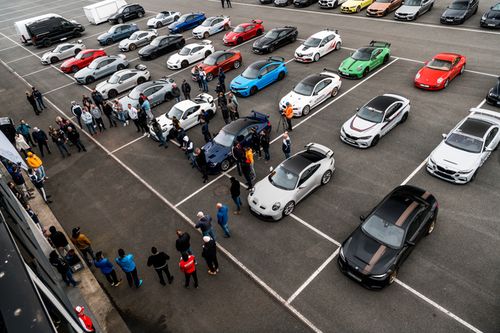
349,75
145,57
173,66
327,5
124,49
302,58
244,92
375,14
493,100
265,214
198,35
257,50
405,17
113,21
429,86
45,62
485,24
347,10
230,42
352,141
451,21
449,175
284,4
66,70
365,280
80,80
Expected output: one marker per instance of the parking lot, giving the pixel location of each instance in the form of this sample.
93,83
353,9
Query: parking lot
133,191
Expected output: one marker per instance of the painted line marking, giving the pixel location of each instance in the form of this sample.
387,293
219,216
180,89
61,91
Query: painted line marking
30,8
127,144
27,15
199,190
58,88
316,230
38,71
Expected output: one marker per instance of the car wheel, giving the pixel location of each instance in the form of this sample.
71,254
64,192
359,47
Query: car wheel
306,110
259,32
236,64
432,226
473,176
176,18
288,209
375,141
46,42
120,20
365,72
77,51
446,83
271,49
338,46
184,63
386,58
224,166
462,70
141,80
403,119
210,77
53,60
281,75
74,69
326,177
254,90
316,57
239,40
140,14
112,93
158,25
132,47
393,276
335,91
208,53
226,27
109,41
120,67
206,35
89,79
358,9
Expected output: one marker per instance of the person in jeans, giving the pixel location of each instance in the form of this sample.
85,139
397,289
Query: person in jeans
74,138
187,265
107,269
59,138
183,244
77,110
223,219
127,264
63,268
82,243
38,98
235,194
24,128
108,112
159,261
88,120
97,115
159,133
120,113
210,255
205,224
38,181
132,114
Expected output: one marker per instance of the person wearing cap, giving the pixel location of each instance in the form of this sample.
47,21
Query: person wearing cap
36,164
107,269
288,114
223,218
82,243
187,264
77,110
127,264
159,260
84,320
205,224
210,254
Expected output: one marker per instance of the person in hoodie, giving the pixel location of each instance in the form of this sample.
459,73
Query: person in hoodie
82,243
36,164
127,264
97,115
107,269
159,260
182,244
88,120
24,128
223,218
187,265
210,255
205,225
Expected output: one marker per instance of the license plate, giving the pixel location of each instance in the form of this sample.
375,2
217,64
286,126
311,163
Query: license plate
449,20
424,85
491,25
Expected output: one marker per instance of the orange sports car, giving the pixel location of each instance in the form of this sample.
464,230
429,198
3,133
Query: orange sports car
383,7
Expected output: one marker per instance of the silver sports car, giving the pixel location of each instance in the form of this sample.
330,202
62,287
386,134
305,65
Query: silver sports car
158,91
163,18
100,67
138,38
62,51
123,80
277,195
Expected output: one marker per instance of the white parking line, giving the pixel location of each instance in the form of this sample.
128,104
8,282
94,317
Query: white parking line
29,3
127,144
8,48
29,55
316,230
26,9
199,190
38,71
59,88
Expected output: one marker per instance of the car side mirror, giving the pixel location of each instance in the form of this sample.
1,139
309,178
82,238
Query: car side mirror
260,77
444,135
410,243
488,149
271,169
120,81
362,218
301,187
357,109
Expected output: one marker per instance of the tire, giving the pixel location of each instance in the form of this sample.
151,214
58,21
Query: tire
77,51
239,40
403,119
462,70
236,64
306,110
226,27
253,90
225,165
158,25
325,179
365,72
259,32
271,49
358,9
140,14
184,63
141,80
89,79
281,76
474,176
112,93
153,55
316,57
446,83
206,35
334,92
288,209
432,226
375,141
120,67
338,46
46,42
393,276
74,69
207,53
386,58
176,18
210,77
120,20
109,41
53,60
132,47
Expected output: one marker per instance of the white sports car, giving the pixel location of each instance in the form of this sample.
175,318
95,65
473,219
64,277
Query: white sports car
163,18
374,120
311,91
464,150
211,26
62,51
137,39
277,195
188,113
318,45
190,54
123,80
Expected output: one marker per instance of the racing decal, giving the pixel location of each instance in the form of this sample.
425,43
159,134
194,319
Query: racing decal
351,125
390,121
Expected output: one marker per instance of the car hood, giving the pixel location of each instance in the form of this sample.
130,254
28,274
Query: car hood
367,255
296,100
492,14
206,68
174,25
165,122
146,50
102,86
430,76
69,62
152,21
124,43
266,194
48,55
240,81
104,36
230,35
408,9
83,72
175,57
200,29
381,6
351,3
264,41
304,49
350,65
496,89
455,159
357,125
215,152
454,12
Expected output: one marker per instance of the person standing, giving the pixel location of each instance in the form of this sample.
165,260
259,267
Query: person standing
233,98
255,142
203,78
187,265
88,120
159,133
59,241
132,114
98,99
59,139
238,153
24,128
201,161
127,264
39,184
82,243
86,102
108,112
286,145
36,164
196,74
235,191
205,130
38,98
63,269
228,3
176,92
142,119
223,218
222,78
97,115
288,114
120,113
146,107
32,101
159,261
41,139
188,147
186,89
250,161
18,179
246,169
21,144
205,224
210,254
76,110
182,243
84,320
107,269
264,143
222,102
231,107
222,2
74,138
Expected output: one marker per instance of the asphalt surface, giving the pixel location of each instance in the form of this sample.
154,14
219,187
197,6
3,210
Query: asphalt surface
283,276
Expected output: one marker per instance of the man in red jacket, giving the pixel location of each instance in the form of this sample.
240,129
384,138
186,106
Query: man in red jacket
188,267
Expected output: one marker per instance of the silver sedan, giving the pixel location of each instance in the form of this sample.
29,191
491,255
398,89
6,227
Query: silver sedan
157,92
100,67
123,80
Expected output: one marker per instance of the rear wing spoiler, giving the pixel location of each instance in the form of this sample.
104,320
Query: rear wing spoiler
378,43
257,21
141,67
206,42
276,58
334,30
320,149
328,70
485,112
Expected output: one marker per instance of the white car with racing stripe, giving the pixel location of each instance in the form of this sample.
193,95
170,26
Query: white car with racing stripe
62,51
190,54
318,45
211,26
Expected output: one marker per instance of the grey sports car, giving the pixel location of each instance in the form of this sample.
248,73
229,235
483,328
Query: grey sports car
158,91
137,39
163,18
123,80
101,67
277,195
411,9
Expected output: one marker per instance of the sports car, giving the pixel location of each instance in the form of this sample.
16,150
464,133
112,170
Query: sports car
311,92
437,73
411,9
123,80
243,32
493,97
163,18
491,19
161,45
126,13
186,22
100,67
459,11
303,3
218,151
365,59
259,75
382,7
354,6
373,254
138,38
318,45
464,150
374,120
81,60
62,51
190,54
211,26
226,60
158,91
117,33
276,196
282,3
330,4
188,113
275,39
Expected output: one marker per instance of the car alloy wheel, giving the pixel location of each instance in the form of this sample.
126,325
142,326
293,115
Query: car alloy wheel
326,177
168,97
335,91
281,75
462,70
158,25
316,57
236,64
112,93
140,14
338,46
259,32
141,80
239,40
253,90
403,119
289,207
306,110
365,72
386,58
53,60
77,51
132,47
224,166
210,77
206,35
120,20
74,69
120,67
393,276
89,80
46,42
375,141
358,9
431,226
184,63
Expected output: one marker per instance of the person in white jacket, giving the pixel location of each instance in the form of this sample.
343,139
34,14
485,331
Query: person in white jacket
21,144
88,120
132,114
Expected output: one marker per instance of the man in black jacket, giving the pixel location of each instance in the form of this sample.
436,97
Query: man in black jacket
74,138
201,161
59,241
182,244
210,255
159,261
186,89
98,99
41,139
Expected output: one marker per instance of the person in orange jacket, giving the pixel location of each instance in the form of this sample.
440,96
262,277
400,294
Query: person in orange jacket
36,164
84,320
288,113
188,267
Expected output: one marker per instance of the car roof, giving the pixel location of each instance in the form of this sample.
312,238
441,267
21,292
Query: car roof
367,49
283,28
381,103
313,79
297,163
239,124
474,127
185,104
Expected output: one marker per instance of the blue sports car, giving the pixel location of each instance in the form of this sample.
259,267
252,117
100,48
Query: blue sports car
117,33
218,151
186,22
259,75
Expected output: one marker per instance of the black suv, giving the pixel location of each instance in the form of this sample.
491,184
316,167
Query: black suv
127,13
53,29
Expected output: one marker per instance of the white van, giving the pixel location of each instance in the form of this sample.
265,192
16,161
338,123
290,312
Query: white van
21,26
100,12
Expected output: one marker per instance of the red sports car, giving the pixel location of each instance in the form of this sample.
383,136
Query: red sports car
243,32
81,60
437,73
226,60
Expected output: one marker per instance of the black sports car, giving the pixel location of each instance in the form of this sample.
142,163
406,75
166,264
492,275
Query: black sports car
162,45
265,2
491,19
375,251
126,13
274,39
459,11
493,96
303,3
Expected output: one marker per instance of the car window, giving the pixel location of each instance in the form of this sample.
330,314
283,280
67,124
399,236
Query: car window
269,69
248,28
392,109
331,37
414,226
222,58
193,109
67,47
490,137
456,61
87,55
320,86
196,49
126,10
143,35
149,91
308,173
216,21
376,52
165,41
127,76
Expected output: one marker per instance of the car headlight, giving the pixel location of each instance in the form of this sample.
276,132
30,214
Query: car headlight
431,161
276,206
417,76
380,276
359,68
234,38
364,138
440,80
212,164
341,253
308,55
483,17
465,172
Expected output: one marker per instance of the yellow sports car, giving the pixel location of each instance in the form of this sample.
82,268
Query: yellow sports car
355,6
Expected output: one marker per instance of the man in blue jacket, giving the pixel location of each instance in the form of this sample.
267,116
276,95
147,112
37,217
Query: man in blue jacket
127,264
107,269
223,218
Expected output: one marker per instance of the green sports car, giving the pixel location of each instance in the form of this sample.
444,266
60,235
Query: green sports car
365,59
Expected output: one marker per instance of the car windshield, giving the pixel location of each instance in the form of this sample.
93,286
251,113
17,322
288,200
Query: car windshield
120,10
134,94
112,30
283,178
114,79
312,42
252,72
206,23
304,88
93,64
413,2
174,112
160,15
224,139
184,51
210,60
440,65
461,5
362,54
272,34
239,29
135,35
464,142
80,55
370,114
182,19
383,231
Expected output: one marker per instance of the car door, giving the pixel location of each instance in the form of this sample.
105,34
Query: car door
307,182
455,68
142,39
223,62
320,93
165,45
153,95
86,59
330,43
249,32
196,54
190,117
127,81
424,6
489,145
109,66
266,76
390,118
66,51
216,26
411,237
